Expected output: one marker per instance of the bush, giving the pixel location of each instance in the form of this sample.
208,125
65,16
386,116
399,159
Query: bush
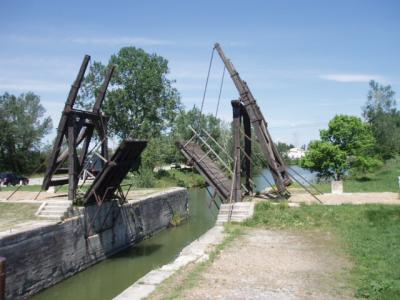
144,178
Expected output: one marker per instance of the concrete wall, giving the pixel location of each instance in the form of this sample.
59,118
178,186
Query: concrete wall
40,258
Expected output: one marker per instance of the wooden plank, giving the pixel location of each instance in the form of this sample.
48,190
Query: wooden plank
213,175
124,159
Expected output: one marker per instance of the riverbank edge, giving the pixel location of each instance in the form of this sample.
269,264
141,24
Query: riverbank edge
41,257
196,252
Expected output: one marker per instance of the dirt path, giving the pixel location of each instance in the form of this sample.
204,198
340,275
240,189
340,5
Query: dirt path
265,264
299,196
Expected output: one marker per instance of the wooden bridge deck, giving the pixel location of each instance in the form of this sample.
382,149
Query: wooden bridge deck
207,168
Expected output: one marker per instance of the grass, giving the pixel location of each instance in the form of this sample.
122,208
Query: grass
371,235
14,213
24,188
383,180
187,179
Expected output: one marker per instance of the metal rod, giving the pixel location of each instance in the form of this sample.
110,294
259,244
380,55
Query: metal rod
302,177
233,182
226,152
212,150
304,187
262,175
219,158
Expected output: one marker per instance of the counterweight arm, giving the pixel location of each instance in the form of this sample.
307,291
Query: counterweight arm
275,162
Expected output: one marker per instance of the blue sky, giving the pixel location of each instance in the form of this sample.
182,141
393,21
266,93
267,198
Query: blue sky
305,61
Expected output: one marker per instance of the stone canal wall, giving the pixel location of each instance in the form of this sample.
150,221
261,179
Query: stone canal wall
39,258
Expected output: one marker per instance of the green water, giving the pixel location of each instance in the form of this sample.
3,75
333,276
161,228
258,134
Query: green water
110,277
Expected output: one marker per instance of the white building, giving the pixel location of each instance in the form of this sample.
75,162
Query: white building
296,153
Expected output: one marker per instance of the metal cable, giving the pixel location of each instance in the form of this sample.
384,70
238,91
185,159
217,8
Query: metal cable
220,91
305,179
205,89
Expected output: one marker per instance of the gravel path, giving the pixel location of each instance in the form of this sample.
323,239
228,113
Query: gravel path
266,264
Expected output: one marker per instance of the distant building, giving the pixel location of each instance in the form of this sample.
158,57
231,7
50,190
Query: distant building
296,153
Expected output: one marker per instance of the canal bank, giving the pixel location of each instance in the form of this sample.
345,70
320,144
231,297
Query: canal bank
110,277
41,257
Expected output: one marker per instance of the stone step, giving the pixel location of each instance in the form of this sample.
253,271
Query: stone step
235,215
56,208
235,209
52,212
235,218
236,212
50,216
63,203
237,204
247,213
242,211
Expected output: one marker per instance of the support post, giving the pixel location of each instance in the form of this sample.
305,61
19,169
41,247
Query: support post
247,149
2,278
73,159
104,146
236,193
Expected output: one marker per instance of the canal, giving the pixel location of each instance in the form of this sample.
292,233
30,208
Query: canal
110,277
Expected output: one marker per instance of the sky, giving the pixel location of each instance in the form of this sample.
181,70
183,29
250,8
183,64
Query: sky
305,61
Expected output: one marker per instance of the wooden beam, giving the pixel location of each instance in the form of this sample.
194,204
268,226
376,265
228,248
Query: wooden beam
237,192
247,149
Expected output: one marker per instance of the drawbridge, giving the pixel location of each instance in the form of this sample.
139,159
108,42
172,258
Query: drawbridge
207,167
217,172
71,155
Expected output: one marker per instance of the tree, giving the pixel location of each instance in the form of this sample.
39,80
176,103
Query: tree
380,111
283,149
184,119
356,139
347,144
350,134
23,125
141,101
325,158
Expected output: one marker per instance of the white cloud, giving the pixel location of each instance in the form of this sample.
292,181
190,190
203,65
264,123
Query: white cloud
347,77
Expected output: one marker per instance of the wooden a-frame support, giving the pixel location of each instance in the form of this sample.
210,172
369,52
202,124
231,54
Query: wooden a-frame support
76,127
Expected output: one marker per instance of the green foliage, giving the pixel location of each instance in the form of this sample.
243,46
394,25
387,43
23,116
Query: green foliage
160,151
143,178
141,101
23,125
362,165
184,119
356,139
182,178
348,143
380,111
350,134
325,158
369,232
382,180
